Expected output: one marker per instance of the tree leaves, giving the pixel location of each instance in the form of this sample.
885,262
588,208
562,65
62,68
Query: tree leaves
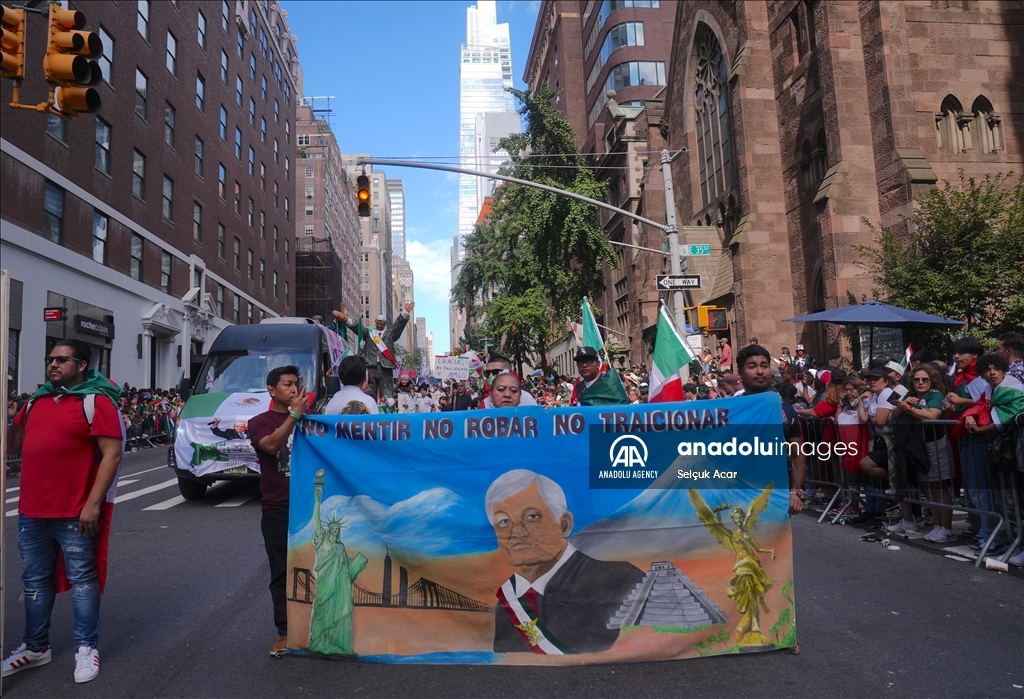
538,254
963,257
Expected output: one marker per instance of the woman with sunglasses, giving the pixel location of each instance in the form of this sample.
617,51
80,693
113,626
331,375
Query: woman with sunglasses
925,403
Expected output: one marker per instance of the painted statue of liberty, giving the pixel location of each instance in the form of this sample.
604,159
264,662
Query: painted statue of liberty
749,584
331,623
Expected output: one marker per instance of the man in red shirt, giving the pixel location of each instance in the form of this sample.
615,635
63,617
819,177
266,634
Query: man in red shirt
725,356
269,434
69,461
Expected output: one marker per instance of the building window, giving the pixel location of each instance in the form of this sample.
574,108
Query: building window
169,124
225,11
223,67
952,126
287,210
287,168
165,272
309,172
273,281
286,294
238,144
168,199
275,196
263,274
309,188
249,264
252,162
309,209
236,315
102,146
201,32
238,90
199,156
252,112
288,131
986,127
56,127
197,222
619,36
287,258
249,316
276,152
200,92
252,67
251,214
220,300
263,225
711,104
136,255
171,60
238,198
277,112
222,184
302,139
263,88
309,229
99,237
220,240
53,206
263,130
107,59
142,23
238,254
141,92
275,240
139,175
263,177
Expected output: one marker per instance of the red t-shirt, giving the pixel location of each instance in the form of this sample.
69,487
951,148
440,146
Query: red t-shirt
59,457
726,356
273,479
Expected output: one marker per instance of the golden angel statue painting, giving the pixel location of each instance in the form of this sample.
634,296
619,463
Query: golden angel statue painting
749,583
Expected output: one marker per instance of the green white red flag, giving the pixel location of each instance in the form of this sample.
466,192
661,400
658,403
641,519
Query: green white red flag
671,354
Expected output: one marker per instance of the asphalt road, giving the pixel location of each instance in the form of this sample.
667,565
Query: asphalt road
187,614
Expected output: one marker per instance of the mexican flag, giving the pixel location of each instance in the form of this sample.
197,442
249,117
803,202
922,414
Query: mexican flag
907,354
591,335
670,356
1007,401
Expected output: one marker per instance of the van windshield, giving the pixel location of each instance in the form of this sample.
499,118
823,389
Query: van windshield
246,372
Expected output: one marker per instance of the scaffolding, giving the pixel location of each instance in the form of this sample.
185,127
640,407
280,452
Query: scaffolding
318,270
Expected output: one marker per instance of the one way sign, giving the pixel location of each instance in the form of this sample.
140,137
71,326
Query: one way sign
671,282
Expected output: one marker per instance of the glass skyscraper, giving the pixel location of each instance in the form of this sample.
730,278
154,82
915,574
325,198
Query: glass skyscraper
486,71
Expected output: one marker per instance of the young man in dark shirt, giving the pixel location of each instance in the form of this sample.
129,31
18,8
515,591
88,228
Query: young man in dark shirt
754,364
269,434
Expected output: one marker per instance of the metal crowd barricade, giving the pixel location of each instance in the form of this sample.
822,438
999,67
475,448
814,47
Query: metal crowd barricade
827,473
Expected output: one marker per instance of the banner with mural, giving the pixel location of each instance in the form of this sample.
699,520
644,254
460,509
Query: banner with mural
529,536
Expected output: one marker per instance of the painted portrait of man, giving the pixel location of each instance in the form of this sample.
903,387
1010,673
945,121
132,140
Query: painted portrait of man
558,599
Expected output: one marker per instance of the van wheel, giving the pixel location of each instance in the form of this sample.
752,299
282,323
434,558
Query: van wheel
190,489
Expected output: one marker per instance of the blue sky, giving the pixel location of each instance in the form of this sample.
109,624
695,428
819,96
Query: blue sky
393,68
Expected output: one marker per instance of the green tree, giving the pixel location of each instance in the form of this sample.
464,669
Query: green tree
723,636
539,253
963,257
700,646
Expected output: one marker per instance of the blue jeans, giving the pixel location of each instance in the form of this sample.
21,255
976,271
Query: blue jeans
976,482
39,541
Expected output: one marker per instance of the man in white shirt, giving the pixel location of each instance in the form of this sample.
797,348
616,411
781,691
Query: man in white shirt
352,398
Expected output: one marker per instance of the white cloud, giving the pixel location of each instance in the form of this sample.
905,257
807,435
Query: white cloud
431,268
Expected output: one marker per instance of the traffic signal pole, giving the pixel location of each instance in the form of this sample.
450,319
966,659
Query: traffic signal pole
670,228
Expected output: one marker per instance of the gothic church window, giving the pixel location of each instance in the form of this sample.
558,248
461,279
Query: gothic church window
986,127
952,132
714,133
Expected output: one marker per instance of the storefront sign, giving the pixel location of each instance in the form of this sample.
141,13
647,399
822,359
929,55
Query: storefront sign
91,326
53,314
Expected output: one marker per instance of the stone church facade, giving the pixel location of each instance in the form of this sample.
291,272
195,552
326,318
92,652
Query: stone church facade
804,118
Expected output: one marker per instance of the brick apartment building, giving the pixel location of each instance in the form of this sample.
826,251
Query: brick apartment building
169,214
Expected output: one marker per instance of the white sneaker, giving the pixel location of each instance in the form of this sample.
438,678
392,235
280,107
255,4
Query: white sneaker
87,664
22,659
937,535
1017,560
901,527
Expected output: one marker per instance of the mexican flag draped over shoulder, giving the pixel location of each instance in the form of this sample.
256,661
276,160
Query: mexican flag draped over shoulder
670,356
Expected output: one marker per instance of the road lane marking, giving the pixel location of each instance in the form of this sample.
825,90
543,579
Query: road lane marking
11,490
238,500
127,482
145,491
177,499
148,470
11,513
10,500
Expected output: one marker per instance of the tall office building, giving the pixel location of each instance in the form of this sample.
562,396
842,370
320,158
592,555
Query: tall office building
485,73
396,193
491,127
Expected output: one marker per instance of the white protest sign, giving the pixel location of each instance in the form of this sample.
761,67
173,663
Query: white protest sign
446,367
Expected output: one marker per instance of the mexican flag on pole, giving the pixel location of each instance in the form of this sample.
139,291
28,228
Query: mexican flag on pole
670,356
907,354
591,335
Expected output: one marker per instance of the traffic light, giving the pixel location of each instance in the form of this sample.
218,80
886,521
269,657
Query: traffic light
712,318
68,65
12,42
363,195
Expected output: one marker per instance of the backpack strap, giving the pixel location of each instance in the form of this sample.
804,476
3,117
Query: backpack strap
88,406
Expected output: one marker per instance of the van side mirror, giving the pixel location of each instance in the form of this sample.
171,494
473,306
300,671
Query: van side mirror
333,386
